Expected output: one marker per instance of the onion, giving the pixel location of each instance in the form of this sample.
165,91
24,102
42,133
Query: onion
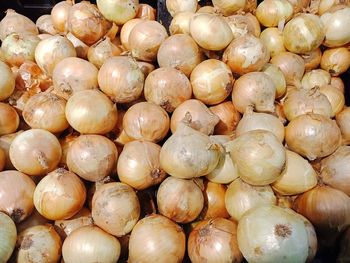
17,204
101,51
92,157
90,244
343,121
212,81
292,66
312,59
121,79
255,89
336,60
338,83
46,111
315,78
59,14
241,197
126,30
335,97
344,245
146,11
145,39
7,81
37,156
39,244
157,229
80,47
271,12
167,87
87,23
273,40
16,23
9,119
284,229
204,30
299,5
260,121
202,119
214,240
302,101
5,143
177,6
82,115
115,208
34,219
189,153
229,7
2,159
278,78
172,54
242,24
259,157
313,136
336,27
145,67
65,142
229,118
180,24
8,235
45,25
118,11
246,54
74,74
49,52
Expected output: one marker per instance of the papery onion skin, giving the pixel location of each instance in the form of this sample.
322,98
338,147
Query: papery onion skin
7,81
312,59
343,121
229,7
278,78
316,77
177,6
126,30
9,119
242,24
299,5
273,40
5,143
335,97
157,229
271,12
45,25
59,14
101,51
229,118
214,240
2,159
8,235
90,244
336,60
180,24
118,11
146,11
34,219
313,136
80,47
35,157
338,83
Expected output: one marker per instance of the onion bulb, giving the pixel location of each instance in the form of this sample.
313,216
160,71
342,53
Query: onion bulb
316,77
37,156
338,83
34,219
146,11
343,121
204,30
17,204
16,23
242,24
312,59
271,12
229,118
59,14
336,61
8,235
5,143
297,177
272,38
80,47
229,7
118,11
9,119
115,208
39,244
121,79
259,157
145,39
82,115
241,197
189,153
90,244
335,97
313,136
167,87
101,51
214,240
202,119
278,78
126,30
255,89
180,24
50,51
7,81
177,6
45,25
61,189
299,5
285,230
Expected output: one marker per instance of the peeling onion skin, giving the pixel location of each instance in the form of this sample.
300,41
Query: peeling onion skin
8,235
242,24
9,119
80,47
229,118
146,11
104,49
45,25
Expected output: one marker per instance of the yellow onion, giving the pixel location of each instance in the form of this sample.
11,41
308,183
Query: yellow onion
338,83
167,87
246,54
344,245
335,97
189,153
146,11
115,208
39,244
37,156
204,30
202,119
297,177
34,219
302,101
299,5
62,190
278,78
229,7
259,157
343,121
45,25
90,244
242,24
260,121
255,89
157,229
9,119
59,14
80,47
179,199
283,228
172,54
180,24
313,136
101,51
312,59
241,197
65,142
214,240
177,6
7,81
326,5
2,159
50,51
229,118
273,40
145,67
316,77
118,11
126,30
336,60
16,23
271,12
17,204
8,235
211,81
82,115
5,143
145,39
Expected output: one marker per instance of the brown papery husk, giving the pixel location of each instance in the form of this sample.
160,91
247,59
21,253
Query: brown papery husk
229,118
